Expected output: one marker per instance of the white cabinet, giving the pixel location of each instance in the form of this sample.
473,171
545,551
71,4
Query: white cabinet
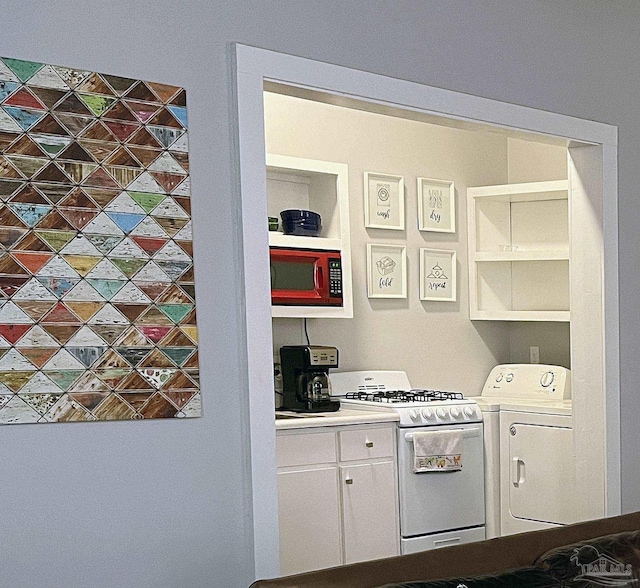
337,496
309,519
369,511
321,186
519,252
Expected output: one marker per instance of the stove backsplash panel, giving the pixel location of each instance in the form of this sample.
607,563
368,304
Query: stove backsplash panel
97,296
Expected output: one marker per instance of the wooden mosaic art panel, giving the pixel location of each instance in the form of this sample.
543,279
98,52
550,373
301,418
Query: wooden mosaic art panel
97,298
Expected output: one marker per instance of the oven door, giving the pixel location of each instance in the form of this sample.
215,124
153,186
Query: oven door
432,502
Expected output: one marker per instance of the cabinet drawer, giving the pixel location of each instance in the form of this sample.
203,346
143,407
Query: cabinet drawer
305,449
366,443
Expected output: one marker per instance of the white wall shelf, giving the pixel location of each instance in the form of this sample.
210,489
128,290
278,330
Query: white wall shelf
321,186
524,315
277,239
519,252
542,255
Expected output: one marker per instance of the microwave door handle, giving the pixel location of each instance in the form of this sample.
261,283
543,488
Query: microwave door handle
318,271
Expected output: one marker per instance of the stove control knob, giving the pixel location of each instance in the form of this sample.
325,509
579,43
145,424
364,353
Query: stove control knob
455,412
468,411
414,414
427,413
441,413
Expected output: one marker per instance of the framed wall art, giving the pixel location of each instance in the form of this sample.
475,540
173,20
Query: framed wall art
437,275
436,206
386,271
97,293
383,201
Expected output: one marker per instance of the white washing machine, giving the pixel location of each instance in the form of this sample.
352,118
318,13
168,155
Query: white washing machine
529,457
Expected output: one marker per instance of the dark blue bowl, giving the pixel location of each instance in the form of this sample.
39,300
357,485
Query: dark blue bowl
290,227
300,231
306,224
300,215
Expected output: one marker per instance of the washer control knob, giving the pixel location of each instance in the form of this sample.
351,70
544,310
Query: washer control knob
499,377
468,411
427,413
441,413
509,377
547,379
414,414
455,412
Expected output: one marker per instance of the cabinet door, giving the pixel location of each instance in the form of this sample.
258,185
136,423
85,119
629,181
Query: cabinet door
370,511
309,520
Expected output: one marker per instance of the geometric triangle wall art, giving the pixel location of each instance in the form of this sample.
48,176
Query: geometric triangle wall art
97,304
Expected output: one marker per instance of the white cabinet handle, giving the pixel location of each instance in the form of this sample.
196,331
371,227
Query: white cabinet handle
369,443
348,481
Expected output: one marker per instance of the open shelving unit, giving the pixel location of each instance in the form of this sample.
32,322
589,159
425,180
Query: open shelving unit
519,252
321,186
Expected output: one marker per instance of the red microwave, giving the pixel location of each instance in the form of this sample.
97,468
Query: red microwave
305,277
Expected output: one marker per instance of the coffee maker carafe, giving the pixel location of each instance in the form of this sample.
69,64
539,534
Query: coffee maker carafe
305,383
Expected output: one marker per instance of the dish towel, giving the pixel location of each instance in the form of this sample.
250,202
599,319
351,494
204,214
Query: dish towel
437,451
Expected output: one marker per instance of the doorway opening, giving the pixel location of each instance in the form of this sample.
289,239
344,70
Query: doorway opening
268,82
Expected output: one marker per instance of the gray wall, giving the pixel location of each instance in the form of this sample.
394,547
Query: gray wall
165,503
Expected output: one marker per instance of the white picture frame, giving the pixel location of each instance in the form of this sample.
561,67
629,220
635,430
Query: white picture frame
436,205
383,201
438,275
386,271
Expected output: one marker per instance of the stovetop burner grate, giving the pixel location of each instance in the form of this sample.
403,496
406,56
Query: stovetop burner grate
392,396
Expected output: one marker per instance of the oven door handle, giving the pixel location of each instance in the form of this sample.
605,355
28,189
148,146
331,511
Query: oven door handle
475,432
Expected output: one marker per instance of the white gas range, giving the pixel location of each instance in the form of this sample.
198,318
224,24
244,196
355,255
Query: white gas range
391,390
437,509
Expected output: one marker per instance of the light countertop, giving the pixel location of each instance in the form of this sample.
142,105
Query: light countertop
343,416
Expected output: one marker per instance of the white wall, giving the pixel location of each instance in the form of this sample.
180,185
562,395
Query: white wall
537,162
166,504
433,341
430,340
530,161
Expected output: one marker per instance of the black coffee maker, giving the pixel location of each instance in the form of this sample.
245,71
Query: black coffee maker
305,383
